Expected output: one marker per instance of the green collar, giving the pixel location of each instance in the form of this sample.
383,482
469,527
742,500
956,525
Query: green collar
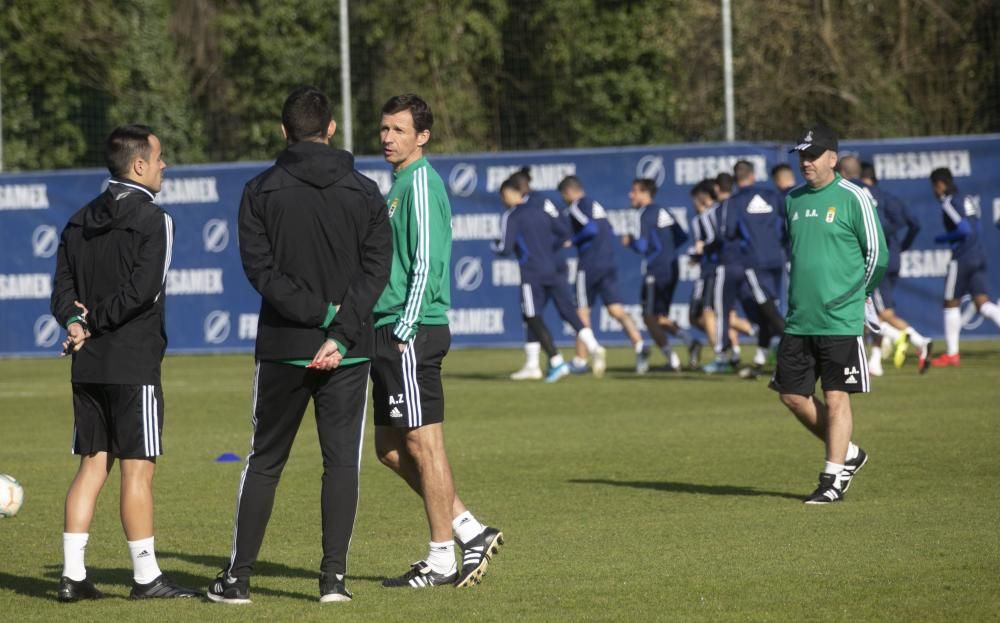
410,168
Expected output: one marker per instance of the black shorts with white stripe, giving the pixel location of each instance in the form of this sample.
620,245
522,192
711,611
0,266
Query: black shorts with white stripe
406,384
126,421
838,360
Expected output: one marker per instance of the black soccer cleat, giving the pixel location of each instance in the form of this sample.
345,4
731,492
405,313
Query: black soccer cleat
477,555
161,588
851,468
332,589
924,362
420,575
227,589
827,492
73,590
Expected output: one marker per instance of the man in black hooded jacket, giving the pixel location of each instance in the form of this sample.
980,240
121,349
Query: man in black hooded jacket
316,244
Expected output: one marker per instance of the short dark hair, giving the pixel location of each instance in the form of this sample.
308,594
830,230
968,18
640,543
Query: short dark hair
520,180
943,174
645,184
742,170
725,182
570,181
704,187
781,166
306,114
124,145
423,118
868,171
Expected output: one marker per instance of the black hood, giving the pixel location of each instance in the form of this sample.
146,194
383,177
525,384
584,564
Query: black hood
316,164
110,210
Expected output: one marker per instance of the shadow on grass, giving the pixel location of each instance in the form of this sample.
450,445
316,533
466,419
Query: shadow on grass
262,568
687,487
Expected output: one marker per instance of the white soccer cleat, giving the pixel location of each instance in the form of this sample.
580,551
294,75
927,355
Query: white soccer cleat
527,373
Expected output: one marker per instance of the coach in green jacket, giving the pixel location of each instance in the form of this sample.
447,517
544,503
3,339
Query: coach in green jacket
838,256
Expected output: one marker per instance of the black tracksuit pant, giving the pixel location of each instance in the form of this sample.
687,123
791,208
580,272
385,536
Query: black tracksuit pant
281,393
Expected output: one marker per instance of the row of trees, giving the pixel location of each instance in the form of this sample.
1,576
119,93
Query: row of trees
210,75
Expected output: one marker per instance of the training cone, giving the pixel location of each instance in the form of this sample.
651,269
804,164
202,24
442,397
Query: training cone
227,457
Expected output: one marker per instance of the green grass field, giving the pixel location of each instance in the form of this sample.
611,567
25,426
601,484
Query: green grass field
665,497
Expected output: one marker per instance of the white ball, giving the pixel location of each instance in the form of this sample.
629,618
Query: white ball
11,496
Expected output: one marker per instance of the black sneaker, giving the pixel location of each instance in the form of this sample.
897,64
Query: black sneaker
420,575
851,468
331,588
694,354
227,589
477,554
827,492
72,590
161,588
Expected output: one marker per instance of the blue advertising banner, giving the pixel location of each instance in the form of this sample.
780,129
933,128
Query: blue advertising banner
212,308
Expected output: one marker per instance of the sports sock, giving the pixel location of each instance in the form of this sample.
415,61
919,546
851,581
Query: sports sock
639,346
441,557
556,360
74,548
760,357
952,329
736,351
991,311
144,567
531,352
579,362
890,331
916,338
834,468
675,360
586,334
467,527
852,451
876,353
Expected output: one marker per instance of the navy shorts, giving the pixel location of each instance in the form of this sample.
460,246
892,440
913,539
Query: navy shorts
883,297
764,284
590,285
658,292
965,277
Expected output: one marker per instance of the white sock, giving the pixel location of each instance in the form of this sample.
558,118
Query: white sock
852,451
467,527
736,351
639,346
441,557
834,468
531,353
579,362
556,361
144,567
992,311
876,353
74,548
952,329
586,335
890,331
675,360
760,357
916,338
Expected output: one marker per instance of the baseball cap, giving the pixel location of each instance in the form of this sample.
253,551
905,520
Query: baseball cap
816,140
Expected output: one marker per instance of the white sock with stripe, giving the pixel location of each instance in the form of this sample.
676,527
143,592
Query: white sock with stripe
952,329
992,311
467,527
74,548
532,350
441,557
144,567
586,335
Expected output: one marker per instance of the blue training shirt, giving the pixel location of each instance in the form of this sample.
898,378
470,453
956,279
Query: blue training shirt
534,232
593,236
659,240
961,224
761,224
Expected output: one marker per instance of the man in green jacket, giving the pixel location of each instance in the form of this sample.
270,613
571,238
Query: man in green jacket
838,256
411,340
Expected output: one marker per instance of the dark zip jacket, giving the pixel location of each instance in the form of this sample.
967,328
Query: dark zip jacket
113,257
314,232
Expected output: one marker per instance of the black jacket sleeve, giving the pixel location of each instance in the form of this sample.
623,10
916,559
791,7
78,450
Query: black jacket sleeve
368,283
63,286
292,300
146,282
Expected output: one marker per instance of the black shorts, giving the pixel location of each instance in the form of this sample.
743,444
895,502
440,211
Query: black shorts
839,360
126,421
406,386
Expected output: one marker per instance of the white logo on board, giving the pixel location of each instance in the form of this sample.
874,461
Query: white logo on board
463,179
216,327
215,235
468,273
47,331
44,241
651,167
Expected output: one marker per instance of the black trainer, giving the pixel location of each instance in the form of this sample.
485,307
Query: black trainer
227,589
827,492
72,590
420,575
851,468
332,589
161,588
477,555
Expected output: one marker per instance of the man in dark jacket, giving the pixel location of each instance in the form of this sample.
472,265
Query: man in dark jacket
108,293
316,244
